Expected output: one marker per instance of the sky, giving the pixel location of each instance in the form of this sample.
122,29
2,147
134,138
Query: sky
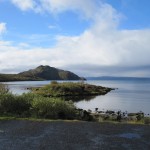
87,37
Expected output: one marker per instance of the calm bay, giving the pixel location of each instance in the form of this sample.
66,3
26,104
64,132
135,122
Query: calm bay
130,95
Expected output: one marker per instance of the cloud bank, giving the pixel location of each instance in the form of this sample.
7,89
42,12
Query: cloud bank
102,49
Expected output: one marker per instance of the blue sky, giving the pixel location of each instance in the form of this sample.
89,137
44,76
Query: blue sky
88,37
22,24
136,13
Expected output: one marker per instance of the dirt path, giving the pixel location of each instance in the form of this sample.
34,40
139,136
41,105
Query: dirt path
60,135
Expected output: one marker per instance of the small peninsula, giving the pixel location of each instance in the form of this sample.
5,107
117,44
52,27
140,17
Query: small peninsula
41,73
65,89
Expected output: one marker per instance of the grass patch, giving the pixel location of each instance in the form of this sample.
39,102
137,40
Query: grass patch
7,118
37,119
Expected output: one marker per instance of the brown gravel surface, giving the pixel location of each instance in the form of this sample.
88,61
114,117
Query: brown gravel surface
63,135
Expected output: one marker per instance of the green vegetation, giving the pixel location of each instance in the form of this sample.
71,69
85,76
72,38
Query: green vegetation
3,89
66,89
16,105
30,105
147,120
36,106
53,108
17,77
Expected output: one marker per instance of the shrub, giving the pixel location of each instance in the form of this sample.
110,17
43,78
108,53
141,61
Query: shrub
146,120
139,117
53,108
28,97
27,105
54,82
13,104
3,88
6,102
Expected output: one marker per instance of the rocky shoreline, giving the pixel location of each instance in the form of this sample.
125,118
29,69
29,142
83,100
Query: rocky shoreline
119,116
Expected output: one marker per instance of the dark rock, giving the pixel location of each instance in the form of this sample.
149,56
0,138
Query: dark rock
110,112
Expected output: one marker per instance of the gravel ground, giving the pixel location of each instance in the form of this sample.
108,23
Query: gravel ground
63,135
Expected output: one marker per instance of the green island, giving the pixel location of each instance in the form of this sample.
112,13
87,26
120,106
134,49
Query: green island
66,89
48,102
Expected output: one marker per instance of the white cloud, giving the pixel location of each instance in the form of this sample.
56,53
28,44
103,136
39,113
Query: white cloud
127,48
87,54
101,46
23,45
54,27
57,6
87,7
2,28
24,4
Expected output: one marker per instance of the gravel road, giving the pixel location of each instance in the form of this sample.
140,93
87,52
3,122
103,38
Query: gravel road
64,135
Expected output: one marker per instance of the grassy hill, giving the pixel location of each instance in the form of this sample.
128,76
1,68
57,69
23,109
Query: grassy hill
40,73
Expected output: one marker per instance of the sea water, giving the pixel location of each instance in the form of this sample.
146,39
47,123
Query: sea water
130,95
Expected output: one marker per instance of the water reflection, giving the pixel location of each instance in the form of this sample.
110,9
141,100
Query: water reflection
78,98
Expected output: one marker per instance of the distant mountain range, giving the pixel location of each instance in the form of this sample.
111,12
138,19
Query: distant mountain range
41,73
117,78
